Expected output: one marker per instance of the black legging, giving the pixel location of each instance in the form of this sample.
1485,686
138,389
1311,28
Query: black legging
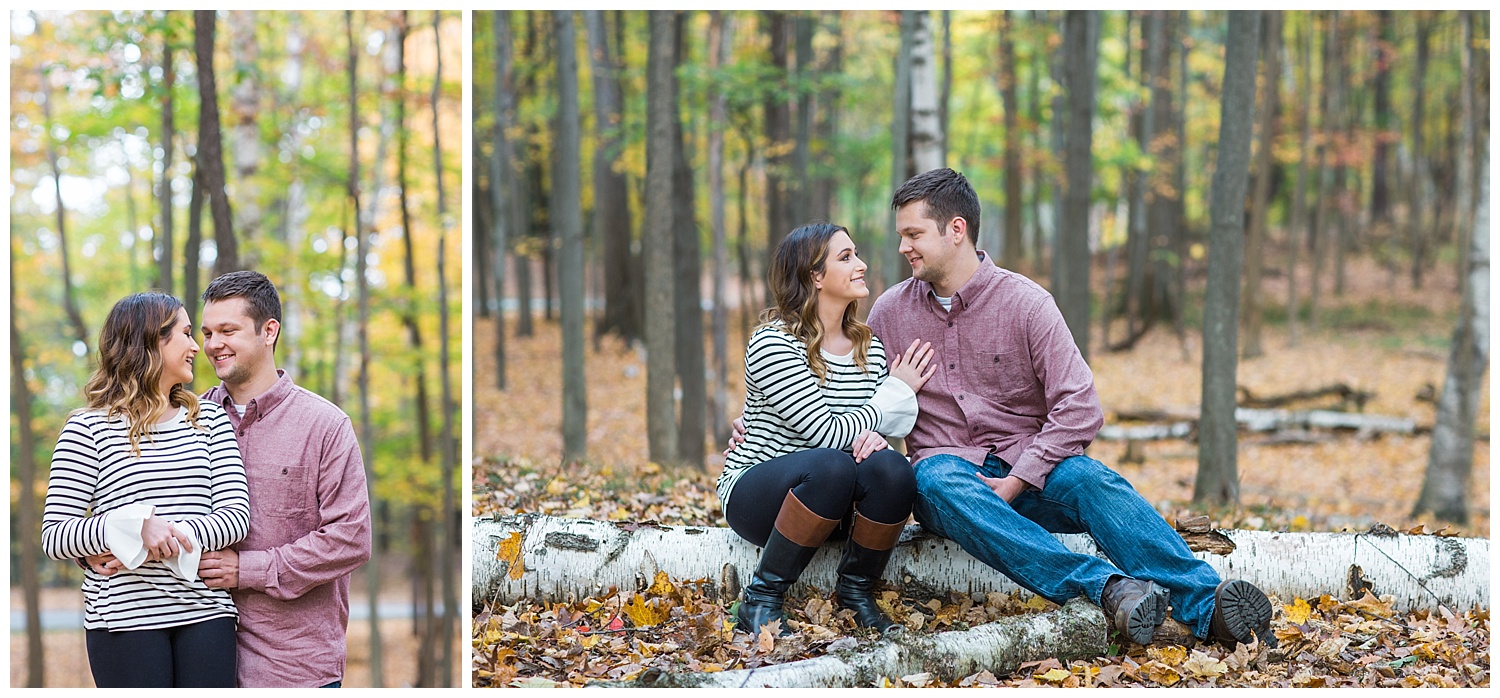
199,655
828,482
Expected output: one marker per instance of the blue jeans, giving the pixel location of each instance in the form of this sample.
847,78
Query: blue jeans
1081,495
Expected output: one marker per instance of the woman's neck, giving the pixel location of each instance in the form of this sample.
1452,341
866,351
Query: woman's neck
171,412
832,317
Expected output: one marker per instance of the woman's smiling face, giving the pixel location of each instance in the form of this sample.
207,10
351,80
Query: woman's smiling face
843,277
178,349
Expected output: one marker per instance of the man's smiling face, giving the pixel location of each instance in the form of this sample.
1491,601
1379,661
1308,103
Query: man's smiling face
235,346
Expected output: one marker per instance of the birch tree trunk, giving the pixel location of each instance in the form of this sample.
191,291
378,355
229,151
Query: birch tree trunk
210,155
567,224
661,103
1218,480
895,268
246,150
546,558
1075,631
1256,240
926,126
1070,264
1450,464
366,428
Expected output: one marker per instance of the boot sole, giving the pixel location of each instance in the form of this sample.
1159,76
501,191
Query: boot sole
1146,616
1246,612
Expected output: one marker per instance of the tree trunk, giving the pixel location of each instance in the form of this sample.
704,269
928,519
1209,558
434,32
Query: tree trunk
409,313
545,558
1013,247
504,178
210,155
611,199
1385,50
191,275
1058,66
1075,631
244,131
1218,479
1416,234
1297,231
895,267
720,40
27,518
658,242
1070,264
687,265
926,126
1255,242
164,244
945,92
1138,294
366,427
567,224
826,174
778,127
75,318
1465,195
802,47
1327,157
448,443
1450,464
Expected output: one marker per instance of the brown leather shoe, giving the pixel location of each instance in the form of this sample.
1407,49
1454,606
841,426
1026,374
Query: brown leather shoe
1135,607
1241,613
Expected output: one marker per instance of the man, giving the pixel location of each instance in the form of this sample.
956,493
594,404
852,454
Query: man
999,441
309,508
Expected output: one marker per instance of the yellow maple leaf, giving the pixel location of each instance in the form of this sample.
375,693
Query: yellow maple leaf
1204,666
1160,673
1055,675
1298,612
661,585
510,554
643,614
1035,603
1170,655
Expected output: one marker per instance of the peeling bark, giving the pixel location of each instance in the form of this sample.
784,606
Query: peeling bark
542,557
1076,630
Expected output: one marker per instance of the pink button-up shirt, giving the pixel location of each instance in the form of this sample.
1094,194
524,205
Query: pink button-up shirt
309,530
1010,380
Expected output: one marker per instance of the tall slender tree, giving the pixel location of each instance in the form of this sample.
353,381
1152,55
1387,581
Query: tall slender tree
1014,254
409,262
452,530
164,245
1218,470
778,130
611,196
27,518
688,268
661,320
567,222
1260,200
210,155
75,317
1416,232
926,122
895,267
1070,264
1298,232
366,425
720,41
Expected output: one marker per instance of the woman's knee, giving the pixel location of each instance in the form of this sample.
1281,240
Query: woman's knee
830,467
888,469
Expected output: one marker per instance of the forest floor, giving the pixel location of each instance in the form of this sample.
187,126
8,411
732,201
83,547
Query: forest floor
1379,337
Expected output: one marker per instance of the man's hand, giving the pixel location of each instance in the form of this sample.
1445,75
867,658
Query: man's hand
1006,487
737,436
162,540
104,563
220,569
866,443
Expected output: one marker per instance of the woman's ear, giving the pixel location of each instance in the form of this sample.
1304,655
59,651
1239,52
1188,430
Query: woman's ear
817,279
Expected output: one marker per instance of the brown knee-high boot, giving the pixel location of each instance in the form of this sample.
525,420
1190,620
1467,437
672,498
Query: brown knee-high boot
865,557
794,539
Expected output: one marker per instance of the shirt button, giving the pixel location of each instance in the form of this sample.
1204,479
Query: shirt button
950,323
960,397
950,367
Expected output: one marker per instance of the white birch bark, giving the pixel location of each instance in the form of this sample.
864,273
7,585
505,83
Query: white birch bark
926,124
1259,421
1076,630
574,558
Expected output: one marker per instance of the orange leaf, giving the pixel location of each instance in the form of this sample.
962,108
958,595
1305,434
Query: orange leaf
510,554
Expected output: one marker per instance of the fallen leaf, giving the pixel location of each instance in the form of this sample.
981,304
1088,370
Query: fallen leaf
917,680
509,552
535,682
766,641
1204,666
644,614
1055,675
662,585
1297,613
1160,674
1171,655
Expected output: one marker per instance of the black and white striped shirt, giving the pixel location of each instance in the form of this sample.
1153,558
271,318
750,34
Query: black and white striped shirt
787,410
190,475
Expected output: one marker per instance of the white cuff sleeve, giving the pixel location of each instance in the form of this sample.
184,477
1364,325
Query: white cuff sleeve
897,404
122,533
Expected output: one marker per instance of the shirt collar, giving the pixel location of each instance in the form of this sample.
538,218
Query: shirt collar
265,402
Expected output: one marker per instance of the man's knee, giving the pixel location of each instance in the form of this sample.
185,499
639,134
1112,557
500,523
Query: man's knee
943,472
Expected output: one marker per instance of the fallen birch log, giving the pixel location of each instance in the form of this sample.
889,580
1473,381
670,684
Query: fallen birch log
542,557
1074,631
1255,421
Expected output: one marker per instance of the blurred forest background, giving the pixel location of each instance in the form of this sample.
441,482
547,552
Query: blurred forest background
1284,212
156,150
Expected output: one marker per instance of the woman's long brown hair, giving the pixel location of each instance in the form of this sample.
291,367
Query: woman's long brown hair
126,384
800,256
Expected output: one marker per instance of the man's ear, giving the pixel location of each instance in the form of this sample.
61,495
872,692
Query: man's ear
273,330
958,226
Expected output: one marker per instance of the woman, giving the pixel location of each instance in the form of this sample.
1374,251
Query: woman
819,394
148,473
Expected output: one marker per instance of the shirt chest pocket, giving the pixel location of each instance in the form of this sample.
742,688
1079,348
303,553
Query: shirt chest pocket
282,492
1002,376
